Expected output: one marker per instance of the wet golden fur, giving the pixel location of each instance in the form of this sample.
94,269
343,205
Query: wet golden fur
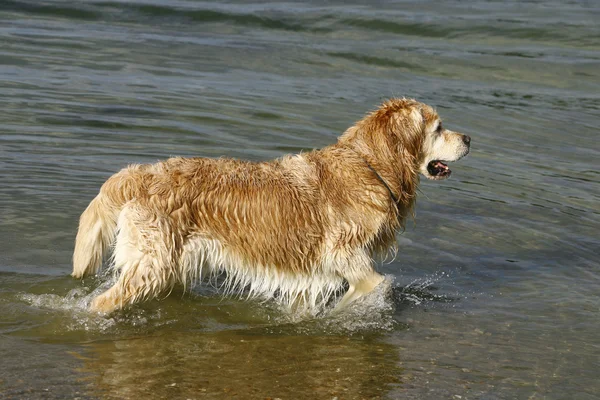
293,229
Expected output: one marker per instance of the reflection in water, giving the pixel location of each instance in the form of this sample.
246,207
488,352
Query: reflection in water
242,364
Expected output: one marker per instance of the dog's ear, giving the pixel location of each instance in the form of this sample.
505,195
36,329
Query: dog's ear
409,120
428,117
408,117
417,117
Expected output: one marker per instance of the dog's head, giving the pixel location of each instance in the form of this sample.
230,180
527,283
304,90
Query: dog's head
407,137
439,145
411,135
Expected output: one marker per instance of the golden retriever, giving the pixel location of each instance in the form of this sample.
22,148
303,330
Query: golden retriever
293,229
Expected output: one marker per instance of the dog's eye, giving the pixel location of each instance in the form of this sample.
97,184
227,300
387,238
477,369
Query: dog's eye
439,128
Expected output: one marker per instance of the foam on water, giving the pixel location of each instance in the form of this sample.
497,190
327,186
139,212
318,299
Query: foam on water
373,312
378,311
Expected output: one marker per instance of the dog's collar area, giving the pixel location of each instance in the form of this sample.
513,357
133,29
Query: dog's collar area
392,195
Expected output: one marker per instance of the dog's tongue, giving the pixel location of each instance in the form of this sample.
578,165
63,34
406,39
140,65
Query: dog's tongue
438,168
440,165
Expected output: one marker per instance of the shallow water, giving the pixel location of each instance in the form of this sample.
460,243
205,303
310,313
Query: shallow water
494,293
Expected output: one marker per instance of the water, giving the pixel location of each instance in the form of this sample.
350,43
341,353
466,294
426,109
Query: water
495,288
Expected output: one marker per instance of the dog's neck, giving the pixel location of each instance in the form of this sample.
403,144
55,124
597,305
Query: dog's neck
390,162
381,179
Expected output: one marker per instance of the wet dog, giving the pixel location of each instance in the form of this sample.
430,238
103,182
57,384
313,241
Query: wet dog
296,229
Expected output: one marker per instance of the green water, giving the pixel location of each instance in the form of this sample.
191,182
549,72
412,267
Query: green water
494,293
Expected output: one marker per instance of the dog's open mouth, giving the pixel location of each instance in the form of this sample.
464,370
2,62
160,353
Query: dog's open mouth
438,169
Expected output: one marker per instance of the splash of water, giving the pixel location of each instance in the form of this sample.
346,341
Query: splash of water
374,312
75,304
421,291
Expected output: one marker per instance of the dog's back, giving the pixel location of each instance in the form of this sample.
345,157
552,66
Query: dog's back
273,227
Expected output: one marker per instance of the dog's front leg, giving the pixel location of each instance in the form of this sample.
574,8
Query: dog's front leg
359,288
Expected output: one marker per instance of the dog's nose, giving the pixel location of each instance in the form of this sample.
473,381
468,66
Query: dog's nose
466,139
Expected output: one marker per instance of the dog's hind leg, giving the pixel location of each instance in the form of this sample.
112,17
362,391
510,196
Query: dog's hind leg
144,261
129,288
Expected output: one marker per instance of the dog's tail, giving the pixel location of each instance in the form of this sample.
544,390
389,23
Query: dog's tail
97,230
